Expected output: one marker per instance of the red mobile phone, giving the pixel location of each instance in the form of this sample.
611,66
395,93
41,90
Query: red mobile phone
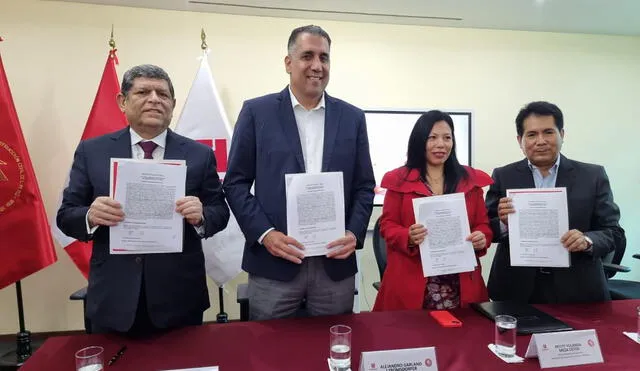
445,319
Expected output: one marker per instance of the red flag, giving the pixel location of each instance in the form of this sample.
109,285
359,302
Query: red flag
25,241
105,117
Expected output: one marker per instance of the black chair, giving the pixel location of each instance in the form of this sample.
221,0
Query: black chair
380,251
620,289
82,295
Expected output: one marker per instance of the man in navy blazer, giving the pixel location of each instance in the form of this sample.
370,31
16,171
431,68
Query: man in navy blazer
594,229
298,130
143,293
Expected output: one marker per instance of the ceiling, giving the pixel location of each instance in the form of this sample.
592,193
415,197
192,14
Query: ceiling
615,17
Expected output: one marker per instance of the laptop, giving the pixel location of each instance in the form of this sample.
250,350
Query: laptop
530,319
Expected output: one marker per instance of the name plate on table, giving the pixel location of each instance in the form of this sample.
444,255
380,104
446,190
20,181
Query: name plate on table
567,348
413,359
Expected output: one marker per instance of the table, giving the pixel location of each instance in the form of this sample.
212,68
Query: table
303,344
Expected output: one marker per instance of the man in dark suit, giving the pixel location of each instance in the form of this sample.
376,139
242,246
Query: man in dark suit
142,293
593,216
300,129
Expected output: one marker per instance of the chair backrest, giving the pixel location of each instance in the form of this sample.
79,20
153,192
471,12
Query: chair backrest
379,248
616,255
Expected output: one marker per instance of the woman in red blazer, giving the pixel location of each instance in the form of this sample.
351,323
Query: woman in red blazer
432,168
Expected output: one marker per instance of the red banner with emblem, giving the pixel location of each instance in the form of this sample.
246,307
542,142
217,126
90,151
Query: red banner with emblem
25,239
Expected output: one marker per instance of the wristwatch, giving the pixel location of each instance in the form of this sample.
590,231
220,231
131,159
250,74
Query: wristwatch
589,243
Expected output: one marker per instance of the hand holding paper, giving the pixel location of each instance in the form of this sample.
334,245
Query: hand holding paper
574,241
505,207
478,240
105,211
417,233
285,247
343,247
190,208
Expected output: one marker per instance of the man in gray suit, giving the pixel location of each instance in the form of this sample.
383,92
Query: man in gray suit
593,232
140,294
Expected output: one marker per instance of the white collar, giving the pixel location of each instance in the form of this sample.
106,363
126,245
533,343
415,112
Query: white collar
295,102
160,139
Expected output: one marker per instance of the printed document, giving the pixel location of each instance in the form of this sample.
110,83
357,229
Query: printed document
445,249
315,210
148,191
535,229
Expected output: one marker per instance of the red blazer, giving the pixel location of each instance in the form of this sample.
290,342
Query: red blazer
403,283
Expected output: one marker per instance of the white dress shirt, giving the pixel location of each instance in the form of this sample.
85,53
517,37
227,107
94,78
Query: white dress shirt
311,130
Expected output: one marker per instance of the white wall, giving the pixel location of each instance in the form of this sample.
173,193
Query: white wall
54,54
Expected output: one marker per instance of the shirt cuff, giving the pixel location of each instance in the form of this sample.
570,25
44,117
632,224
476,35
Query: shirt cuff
200,228
504,229
90,231
264,235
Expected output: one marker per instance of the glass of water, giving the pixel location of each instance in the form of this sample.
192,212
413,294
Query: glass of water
340,347
506,335
90,359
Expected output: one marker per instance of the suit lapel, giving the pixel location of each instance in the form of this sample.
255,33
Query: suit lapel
331,125
173,147
566,175
525,180
289,126
121,147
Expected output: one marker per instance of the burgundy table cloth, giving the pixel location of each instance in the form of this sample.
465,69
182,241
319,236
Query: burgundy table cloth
303,344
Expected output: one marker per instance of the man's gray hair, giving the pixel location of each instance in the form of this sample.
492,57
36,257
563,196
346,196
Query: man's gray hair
310,29
148,71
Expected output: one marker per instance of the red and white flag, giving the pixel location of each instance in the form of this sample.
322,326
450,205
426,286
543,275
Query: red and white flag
105,117
203,119
25,242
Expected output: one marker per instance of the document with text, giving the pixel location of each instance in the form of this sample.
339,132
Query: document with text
315,210
148,191
445,249
535,229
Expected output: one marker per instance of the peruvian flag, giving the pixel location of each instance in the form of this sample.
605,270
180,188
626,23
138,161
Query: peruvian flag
25,242
203,119
105,117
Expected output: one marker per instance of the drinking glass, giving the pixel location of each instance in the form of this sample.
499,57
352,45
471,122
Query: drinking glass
90,359
506,335
340,347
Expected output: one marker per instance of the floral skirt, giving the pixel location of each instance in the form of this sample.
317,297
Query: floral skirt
442,292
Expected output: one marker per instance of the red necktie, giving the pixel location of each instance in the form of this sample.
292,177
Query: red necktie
148,148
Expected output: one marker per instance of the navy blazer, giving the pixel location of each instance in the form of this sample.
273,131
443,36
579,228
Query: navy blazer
265,146
591,211
175,284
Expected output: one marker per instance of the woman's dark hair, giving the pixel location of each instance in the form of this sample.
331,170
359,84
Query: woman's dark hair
416,158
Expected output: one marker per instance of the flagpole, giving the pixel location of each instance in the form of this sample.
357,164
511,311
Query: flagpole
23,348
23,341
222,317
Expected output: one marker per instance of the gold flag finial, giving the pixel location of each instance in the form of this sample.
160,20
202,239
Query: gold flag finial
203,37
112,42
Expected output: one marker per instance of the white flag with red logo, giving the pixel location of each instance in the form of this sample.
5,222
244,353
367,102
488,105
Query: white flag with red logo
203,119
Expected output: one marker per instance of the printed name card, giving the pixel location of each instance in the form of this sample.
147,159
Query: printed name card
567,348
413,359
